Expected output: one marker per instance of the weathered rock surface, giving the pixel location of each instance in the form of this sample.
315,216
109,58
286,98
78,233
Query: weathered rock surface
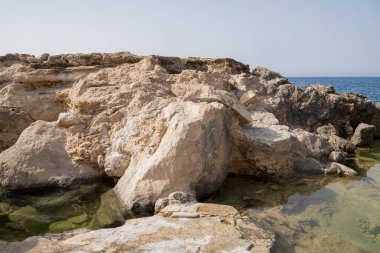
336,156
173,199
308,165
273,149
327,130
217,228
316,105
39,159
168,130
264,149
363,134
339,169
162,124
197,137
12,123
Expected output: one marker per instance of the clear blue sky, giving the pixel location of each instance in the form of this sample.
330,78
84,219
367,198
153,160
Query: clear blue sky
295,37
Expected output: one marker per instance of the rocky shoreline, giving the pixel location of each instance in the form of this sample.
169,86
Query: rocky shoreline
168,130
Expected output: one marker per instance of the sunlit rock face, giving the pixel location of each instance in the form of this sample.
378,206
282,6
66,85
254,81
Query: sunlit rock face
162,124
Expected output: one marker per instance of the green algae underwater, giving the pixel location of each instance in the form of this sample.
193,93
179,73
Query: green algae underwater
87,206
308,213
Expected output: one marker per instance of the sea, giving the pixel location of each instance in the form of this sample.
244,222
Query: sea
368,86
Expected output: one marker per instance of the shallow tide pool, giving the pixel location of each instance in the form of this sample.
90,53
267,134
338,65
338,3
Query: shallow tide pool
26,214
316,213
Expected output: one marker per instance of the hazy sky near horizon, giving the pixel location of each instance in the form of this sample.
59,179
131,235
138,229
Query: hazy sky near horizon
295,37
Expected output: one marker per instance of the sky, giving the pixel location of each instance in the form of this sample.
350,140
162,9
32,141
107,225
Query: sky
294,37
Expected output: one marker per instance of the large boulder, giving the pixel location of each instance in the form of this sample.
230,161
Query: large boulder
363,135
39,160
263,149
192,156
311,145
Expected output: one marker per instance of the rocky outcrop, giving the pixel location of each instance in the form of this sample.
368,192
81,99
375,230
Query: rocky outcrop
316,105
163,124
215,228
168,130
39,160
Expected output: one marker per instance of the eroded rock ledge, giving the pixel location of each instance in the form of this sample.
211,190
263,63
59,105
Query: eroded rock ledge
164,124
186,227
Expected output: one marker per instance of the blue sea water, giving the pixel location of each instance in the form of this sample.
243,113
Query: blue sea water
368,86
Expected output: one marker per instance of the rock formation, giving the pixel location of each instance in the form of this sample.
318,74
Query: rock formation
160,125
164,124
191,227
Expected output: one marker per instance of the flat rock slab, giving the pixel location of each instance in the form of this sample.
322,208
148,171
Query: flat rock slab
155,234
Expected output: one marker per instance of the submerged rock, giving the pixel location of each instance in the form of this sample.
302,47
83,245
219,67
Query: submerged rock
109,212
61,226
63,198
29,219
79,219
5,209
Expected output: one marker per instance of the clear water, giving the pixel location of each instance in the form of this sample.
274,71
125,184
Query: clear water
27,214
368,86
316,213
